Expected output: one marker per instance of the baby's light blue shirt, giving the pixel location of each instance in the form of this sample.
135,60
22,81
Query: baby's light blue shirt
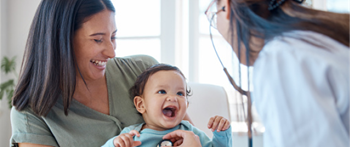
150,138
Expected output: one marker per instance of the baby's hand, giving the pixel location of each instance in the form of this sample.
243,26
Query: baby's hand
126,139
218,123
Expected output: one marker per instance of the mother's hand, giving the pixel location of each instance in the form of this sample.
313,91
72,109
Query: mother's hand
183,138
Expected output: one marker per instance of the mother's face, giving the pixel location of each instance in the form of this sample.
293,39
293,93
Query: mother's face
94,43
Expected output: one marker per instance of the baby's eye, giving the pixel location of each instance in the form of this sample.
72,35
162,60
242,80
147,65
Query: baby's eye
98,40
180,93
161,92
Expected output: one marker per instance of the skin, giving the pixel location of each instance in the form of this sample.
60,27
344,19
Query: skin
95,40
163,89
223,26
31,145
189,138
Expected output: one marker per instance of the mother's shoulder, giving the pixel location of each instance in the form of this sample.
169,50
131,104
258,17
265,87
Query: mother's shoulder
137,58
129,65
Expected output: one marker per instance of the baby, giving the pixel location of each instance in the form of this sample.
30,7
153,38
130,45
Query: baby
160,95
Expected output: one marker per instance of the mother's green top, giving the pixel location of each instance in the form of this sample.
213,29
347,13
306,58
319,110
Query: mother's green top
84,126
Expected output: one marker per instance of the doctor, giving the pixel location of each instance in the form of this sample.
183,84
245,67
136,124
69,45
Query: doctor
301,68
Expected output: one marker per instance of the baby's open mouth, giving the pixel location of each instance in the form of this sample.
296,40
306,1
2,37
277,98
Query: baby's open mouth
169,111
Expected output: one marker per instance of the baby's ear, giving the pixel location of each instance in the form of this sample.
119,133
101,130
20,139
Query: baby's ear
139,104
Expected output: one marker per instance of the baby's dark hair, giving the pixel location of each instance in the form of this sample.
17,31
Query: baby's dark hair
139,86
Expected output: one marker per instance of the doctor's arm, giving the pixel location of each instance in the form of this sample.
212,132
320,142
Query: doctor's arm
189,138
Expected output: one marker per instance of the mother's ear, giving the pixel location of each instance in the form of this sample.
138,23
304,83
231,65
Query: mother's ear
139,104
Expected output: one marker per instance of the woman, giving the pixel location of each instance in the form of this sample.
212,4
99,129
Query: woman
71,90
301,68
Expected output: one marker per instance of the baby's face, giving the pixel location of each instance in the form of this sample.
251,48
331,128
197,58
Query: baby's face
164,100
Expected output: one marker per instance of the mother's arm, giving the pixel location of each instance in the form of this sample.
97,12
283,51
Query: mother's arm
29,130
31,145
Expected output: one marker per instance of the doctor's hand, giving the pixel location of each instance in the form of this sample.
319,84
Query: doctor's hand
126,139
218,123
182,138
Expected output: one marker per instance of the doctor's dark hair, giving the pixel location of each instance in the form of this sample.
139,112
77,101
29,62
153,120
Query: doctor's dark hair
139,86
48,70
252,18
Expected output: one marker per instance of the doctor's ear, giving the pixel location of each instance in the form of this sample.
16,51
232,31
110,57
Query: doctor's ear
139,104
228,9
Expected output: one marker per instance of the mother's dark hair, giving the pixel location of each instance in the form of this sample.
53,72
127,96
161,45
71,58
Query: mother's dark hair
48,70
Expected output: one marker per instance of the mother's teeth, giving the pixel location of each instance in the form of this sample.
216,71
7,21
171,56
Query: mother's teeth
100,63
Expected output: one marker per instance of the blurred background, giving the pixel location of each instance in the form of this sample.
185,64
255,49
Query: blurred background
172,31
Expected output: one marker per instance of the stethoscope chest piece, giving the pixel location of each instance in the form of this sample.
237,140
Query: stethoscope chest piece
165,142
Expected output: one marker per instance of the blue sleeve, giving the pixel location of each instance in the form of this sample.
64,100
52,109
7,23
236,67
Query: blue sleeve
220,139
109,143
223,138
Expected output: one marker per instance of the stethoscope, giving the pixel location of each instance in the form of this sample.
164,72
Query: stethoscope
273,5
240,90
165,142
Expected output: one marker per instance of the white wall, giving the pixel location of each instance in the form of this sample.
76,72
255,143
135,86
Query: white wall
4,111
16,17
